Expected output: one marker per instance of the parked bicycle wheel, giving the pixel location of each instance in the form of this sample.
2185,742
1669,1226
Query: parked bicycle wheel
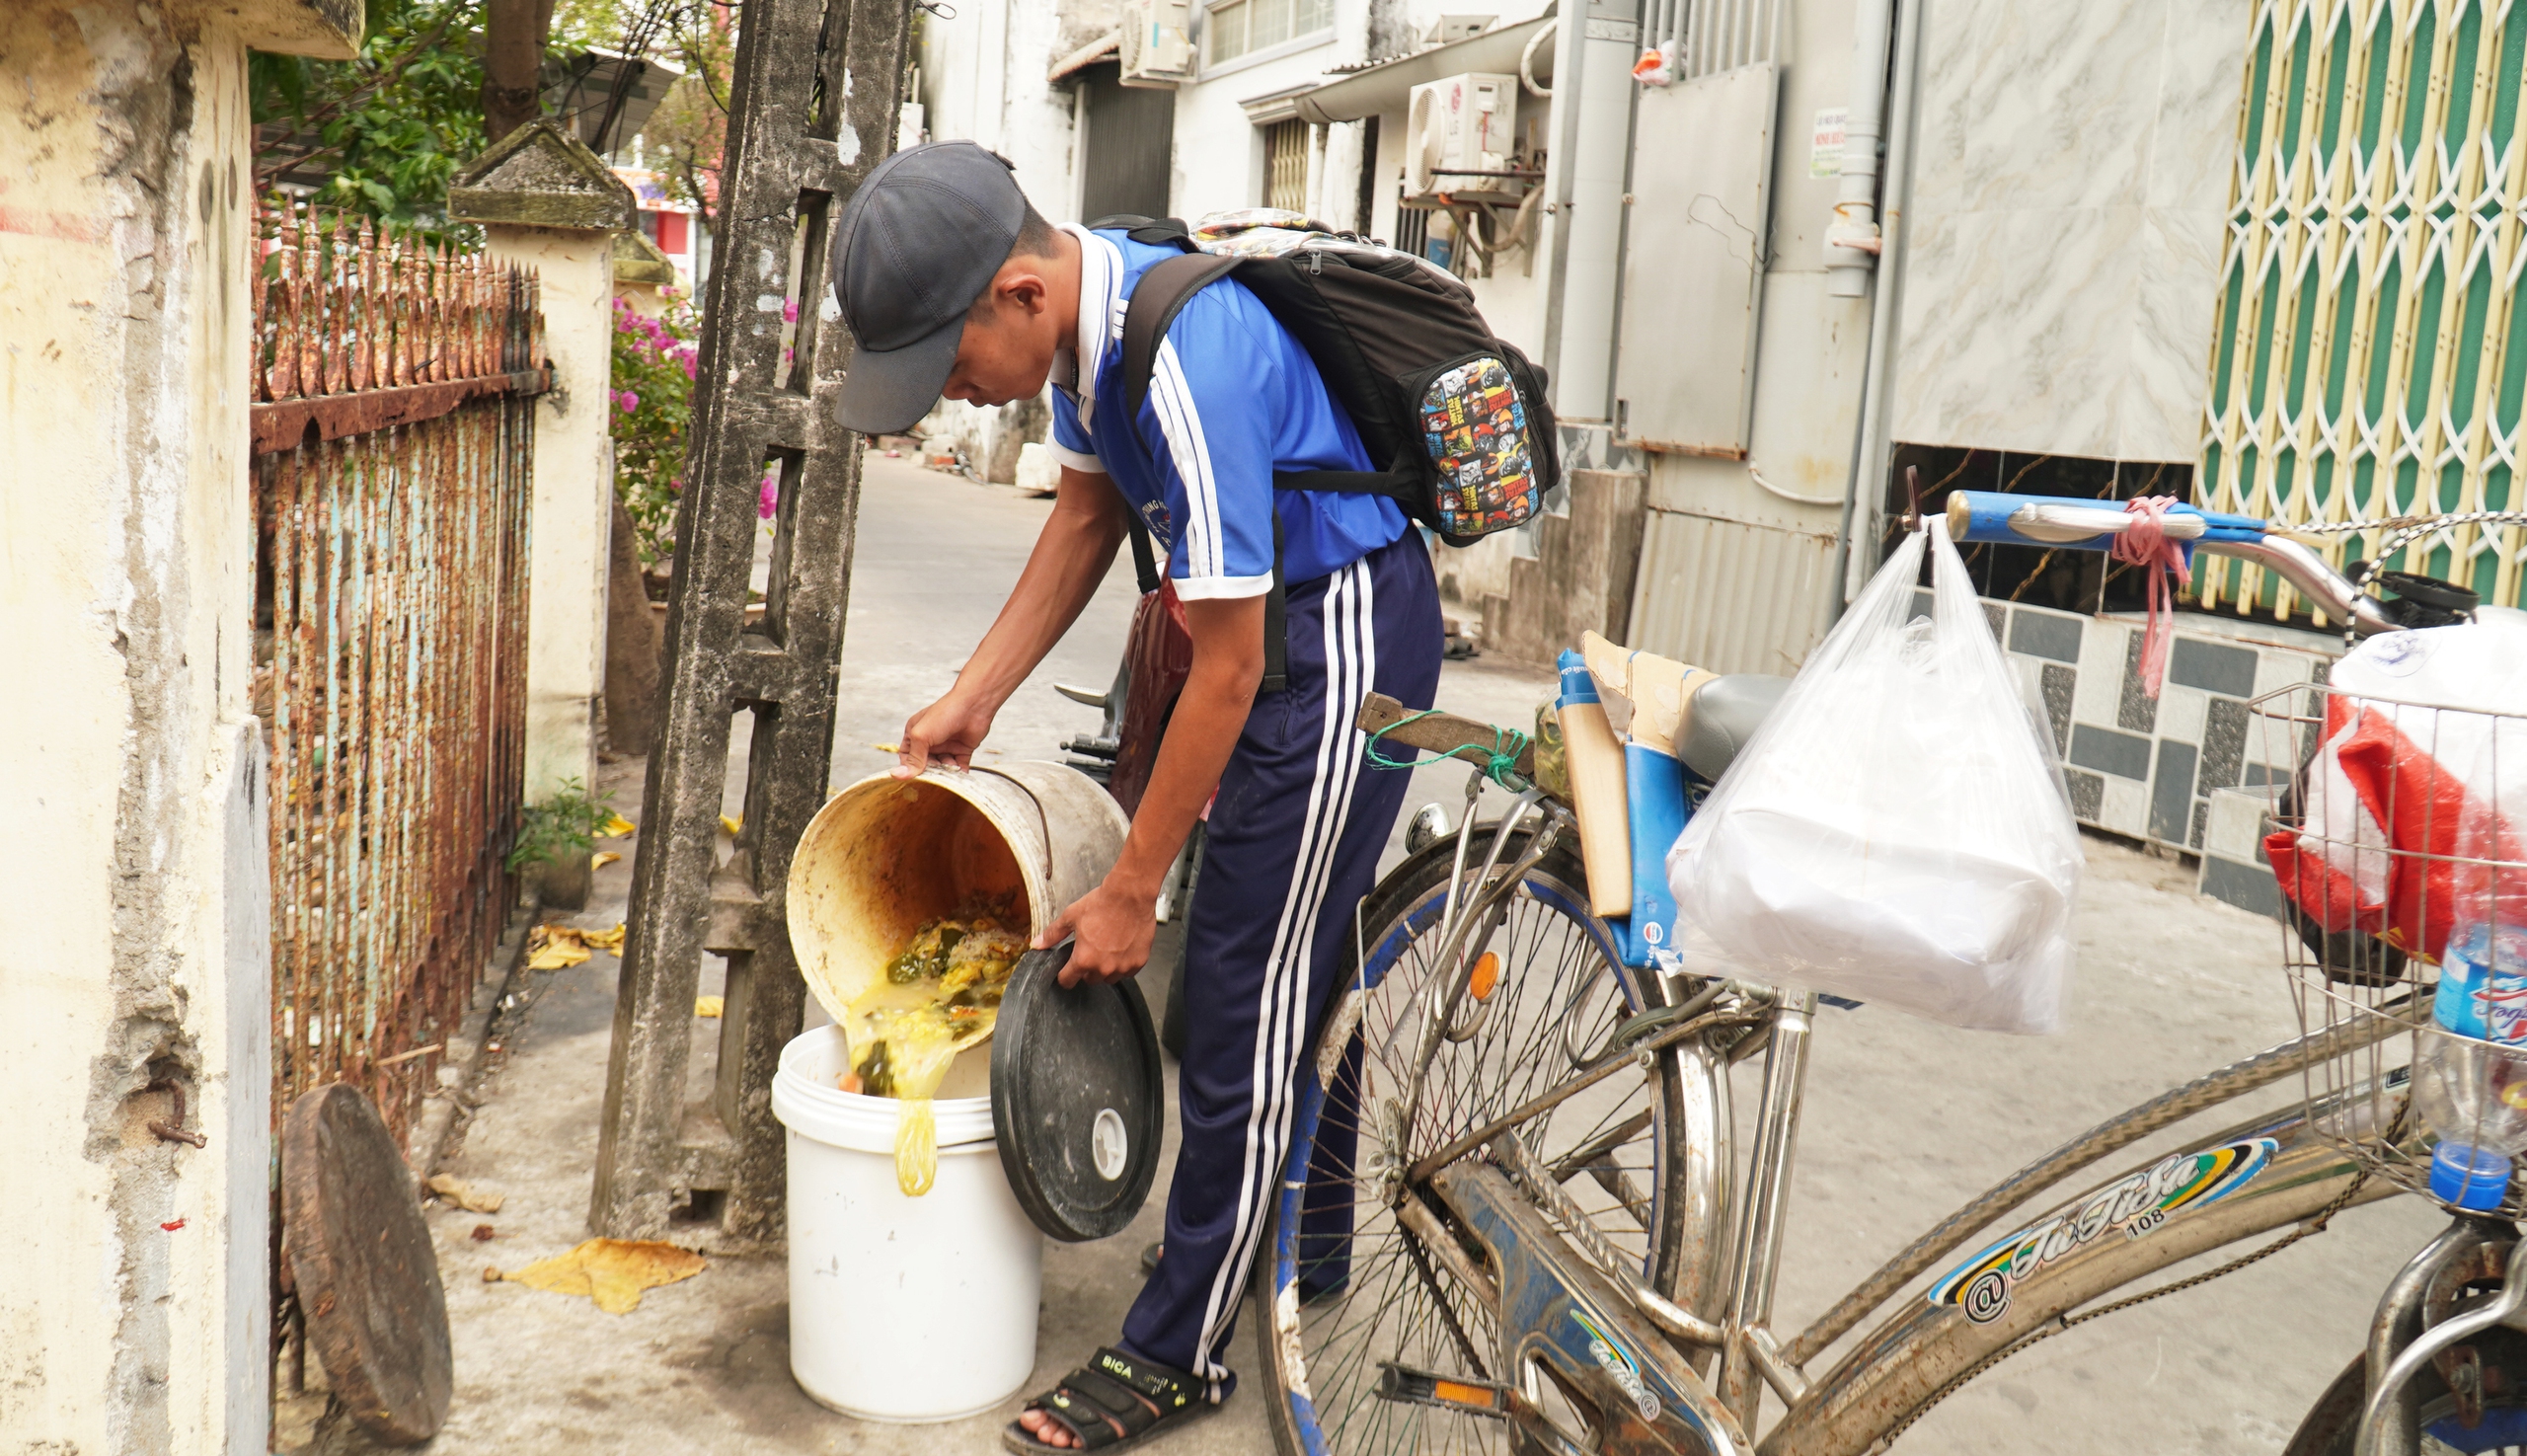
1338,1308
2496,1422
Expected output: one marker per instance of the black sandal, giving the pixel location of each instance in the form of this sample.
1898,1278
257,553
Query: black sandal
1113,1403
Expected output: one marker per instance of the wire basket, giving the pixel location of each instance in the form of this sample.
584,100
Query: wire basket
2387,835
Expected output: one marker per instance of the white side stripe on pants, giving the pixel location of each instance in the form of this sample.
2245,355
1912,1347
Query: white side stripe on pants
1351,666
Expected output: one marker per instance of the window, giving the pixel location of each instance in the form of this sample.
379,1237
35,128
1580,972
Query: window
1243,26
1285,164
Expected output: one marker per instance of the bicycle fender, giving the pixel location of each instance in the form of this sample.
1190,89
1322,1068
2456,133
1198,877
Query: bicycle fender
1558,1310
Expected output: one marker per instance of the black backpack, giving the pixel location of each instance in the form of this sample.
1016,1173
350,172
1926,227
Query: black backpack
1457,413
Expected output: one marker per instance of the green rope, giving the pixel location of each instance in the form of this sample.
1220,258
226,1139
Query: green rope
1502,766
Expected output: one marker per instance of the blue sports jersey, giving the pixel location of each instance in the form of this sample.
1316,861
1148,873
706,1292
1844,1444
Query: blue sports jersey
1232,399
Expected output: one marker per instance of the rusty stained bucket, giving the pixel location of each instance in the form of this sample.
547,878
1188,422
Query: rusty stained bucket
886,856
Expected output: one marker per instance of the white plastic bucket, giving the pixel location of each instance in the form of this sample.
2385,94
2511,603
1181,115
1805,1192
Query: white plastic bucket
901,1309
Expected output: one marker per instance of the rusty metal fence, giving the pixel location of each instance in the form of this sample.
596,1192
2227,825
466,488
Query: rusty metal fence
393,462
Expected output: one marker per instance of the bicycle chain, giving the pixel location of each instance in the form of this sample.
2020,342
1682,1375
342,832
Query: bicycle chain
2315,1224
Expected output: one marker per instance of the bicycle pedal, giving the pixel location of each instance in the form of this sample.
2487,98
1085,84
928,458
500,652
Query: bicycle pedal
1446,1392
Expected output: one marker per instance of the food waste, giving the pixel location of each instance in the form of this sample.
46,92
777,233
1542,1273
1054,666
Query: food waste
941,995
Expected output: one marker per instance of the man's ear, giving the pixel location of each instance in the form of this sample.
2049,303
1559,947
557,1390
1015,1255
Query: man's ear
1024,289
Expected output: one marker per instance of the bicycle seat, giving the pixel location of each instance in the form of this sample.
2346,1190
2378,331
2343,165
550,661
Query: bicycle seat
1723,715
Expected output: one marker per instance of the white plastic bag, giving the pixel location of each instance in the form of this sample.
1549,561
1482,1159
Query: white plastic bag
1896,831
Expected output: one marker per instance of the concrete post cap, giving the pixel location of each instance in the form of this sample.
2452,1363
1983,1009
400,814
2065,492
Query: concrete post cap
541,176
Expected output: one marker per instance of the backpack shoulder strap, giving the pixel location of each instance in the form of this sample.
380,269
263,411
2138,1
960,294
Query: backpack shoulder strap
1156,300
1154,231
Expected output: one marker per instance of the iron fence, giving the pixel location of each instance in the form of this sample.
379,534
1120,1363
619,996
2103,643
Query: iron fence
393,463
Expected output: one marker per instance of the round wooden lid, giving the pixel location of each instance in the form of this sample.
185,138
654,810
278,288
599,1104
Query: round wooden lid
367,1276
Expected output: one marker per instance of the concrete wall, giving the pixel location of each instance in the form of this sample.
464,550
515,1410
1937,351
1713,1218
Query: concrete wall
134,941
574,500
2069,197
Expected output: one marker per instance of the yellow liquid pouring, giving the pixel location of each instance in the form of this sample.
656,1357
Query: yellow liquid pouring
941,995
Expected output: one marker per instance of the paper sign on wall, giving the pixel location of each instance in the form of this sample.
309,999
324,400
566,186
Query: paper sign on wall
1825,153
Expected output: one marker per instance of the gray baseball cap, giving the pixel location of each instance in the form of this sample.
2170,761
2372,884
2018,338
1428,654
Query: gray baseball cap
920,240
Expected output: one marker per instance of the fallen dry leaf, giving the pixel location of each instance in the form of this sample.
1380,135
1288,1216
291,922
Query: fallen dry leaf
610,1271
603,940
886,747
553,947
617,827
707,1005
455,1191
602,858
732,826
483,1233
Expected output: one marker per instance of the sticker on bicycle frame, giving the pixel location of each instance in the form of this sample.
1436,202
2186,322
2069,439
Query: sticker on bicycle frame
1617,1365
2138,1205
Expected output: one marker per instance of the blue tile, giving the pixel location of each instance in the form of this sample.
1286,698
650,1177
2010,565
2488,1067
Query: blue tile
2043,635
2247,887
2123,755
2088,794
2136,708
2224,743
2058,683
2171,792
2212,666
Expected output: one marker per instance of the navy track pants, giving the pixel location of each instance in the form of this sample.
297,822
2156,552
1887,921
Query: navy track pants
1294,840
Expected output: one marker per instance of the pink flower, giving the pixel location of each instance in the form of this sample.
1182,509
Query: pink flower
789,311
630,402
770,500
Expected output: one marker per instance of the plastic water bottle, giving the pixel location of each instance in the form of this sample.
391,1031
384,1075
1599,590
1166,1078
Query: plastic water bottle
2472,1086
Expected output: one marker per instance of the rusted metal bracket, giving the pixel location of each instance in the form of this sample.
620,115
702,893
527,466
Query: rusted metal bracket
171,1129
814,109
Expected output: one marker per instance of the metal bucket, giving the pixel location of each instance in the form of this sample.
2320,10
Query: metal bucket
887,854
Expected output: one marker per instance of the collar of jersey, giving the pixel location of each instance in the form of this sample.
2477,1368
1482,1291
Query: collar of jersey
1100,296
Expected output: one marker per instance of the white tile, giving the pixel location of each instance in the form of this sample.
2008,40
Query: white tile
2030,679
2181,713
2235,825
2018,328
2176,262
2194,141
2277,668
2125,806
2100,691
2038,105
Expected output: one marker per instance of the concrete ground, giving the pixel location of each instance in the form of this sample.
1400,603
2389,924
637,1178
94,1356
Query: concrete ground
1905,1120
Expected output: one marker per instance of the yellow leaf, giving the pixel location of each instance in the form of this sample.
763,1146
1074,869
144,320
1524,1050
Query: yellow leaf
602,858
707,1005
456,1192
886,747
610,1271
618,826
603,940
731,825
553,947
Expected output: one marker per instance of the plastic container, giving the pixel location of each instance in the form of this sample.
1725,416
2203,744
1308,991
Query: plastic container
920,1309
901,1309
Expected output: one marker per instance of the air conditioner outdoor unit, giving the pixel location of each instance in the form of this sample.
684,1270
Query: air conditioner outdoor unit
1157,42
1460,124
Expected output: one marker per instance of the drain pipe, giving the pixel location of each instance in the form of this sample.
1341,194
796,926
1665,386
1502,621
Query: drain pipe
1853,239
1869,435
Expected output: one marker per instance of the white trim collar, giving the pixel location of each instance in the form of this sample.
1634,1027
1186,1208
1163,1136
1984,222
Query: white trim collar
1101,301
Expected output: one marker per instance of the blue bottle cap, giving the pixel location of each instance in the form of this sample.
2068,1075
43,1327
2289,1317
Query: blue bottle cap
1576,685
2463,1176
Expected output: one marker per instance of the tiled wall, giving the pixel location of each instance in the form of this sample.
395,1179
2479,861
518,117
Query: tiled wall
2186,770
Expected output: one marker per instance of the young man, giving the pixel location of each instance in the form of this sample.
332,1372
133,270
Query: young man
953,285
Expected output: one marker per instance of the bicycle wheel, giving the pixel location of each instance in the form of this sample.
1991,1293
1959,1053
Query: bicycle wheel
2332,1426
1337,1308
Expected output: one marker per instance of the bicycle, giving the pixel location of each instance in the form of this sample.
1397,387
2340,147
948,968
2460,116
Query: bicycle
1513,1216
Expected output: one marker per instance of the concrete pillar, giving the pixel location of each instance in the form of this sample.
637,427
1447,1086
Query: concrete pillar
547,201
641,273
135,936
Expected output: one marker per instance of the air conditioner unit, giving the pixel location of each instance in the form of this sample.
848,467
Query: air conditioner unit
1157,42
1460,125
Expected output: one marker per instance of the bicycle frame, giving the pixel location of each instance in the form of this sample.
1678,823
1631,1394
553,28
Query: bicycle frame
1632,1350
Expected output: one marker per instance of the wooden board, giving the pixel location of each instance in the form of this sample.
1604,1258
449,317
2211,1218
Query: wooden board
1443,734
367,1277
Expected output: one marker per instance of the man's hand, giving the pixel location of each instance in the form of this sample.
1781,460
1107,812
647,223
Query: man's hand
1111,928
946,733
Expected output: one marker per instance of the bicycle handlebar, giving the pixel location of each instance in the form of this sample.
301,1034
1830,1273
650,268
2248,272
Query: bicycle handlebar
2067,522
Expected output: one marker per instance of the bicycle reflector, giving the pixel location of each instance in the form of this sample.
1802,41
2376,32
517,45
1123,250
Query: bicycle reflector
1447,1392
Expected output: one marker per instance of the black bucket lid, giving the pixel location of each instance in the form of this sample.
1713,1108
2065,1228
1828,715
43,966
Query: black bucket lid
1078,1099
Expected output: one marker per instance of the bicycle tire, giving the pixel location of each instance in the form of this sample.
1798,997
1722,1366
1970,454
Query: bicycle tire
1312,1407
2331,1426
